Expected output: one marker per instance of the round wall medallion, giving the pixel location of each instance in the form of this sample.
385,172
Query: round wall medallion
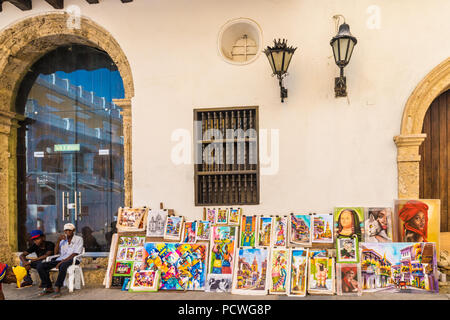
240,41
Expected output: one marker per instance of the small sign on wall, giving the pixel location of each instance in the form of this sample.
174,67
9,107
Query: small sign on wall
103,152
39,154
66,147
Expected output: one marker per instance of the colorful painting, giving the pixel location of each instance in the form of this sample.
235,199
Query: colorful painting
145,281
122,253
182,265
300,229
211,215
131,219
378,225
280,228
234,216
223,248
299,272
129,253
137,265
349,221
139,254
321,273
218,283
222,216
173,228
347,250
399,267
203,230
279,271
190,232
418,220
248,231
123,241
250,276
348,279
322,228
264,231
123,268
135,241
156,219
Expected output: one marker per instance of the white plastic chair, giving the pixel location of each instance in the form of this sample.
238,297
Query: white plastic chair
74,278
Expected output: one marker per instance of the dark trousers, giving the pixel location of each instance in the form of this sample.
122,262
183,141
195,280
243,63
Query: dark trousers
34,265
44,272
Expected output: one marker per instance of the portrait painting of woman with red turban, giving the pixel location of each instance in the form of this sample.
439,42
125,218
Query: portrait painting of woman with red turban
414,215
418,220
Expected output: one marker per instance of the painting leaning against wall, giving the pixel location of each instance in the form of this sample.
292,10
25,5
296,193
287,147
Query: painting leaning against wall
399,267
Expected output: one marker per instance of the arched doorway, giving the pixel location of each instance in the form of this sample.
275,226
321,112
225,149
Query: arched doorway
70,145
22,44
434,151
411,137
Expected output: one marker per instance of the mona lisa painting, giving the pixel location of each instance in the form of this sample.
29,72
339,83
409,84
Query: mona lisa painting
418,220
349,221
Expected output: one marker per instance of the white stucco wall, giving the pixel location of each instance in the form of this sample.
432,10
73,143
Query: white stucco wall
333,152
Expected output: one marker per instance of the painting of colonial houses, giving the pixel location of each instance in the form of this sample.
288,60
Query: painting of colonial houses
399,267
300,229
322,225
251,271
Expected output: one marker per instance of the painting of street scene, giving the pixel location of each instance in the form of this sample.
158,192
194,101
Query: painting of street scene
301,229
399,267
251,271
322,228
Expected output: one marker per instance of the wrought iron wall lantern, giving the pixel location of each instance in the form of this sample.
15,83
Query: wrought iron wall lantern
280,56
342,44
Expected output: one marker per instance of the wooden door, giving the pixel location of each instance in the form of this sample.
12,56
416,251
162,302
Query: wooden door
435,161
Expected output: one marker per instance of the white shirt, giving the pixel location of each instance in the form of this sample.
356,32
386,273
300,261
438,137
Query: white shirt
66,248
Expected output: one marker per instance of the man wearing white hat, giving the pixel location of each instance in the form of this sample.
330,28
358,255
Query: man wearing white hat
68,246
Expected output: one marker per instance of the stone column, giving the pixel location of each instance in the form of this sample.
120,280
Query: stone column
12,197
408,160
125,105
6,255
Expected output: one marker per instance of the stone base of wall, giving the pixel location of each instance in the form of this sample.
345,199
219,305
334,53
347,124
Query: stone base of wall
6,256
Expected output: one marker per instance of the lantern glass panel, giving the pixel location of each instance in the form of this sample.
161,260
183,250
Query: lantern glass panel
269,56
287,60
278,59
350,50
343,46
336,51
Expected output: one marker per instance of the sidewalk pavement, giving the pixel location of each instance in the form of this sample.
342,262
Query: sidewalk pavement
100,293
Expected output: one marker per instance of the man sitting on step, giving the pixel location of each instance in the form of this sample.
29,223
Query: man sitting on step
68,246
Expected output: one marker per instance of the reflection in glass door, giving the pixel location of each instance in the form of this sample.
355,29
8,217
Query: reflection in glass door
71,146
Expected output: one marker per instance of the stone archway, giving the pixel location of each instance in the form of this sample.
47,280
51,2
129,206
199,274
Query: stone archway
411,136
22,44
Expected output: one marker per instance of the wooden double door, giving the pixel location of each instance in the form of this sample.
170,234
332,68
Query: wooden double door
435,156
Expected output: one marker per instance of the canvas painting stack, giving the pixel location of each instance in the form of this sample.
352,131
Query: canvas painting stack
350,251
